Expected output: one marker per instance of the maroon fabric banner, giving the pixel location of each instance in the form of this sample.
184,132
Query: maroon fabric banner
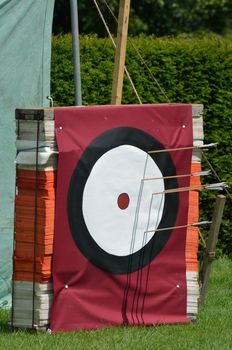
117,258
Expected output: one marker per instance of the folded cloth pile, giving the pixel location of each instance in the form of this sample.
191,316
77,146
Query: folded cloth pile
192,238
34,222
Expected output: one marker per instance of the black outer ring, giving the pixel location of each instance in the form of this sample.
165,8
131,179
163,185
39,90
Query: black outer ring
83,240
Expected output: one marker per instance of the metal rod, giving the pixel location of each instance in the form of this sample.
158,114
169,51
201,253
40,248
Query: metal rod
201,147
76,52
179,189
195,224
200,173
211,187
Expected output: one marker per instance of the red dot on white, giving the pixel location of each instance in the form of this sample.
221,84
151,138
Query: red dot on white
123,201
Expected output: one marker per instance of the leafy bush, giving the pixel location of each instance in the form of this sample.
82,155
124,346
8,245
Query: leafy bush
159,17
189,69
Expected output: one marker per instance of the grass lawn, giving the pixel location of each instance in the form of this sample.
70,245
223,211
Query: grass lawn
213,329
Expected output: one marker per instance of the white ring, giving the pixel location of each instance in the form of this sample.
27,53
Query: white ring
118,171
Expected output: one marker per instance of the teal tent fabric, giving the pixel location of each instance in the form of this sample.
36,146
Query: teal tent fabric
25,50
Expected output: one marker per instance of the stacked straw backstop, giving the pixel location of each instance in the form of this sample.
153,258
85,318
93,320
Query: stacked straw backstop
34,220
35,215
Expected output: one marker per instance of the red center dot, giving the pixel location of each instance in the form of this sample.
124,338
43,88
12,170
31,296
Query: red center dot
123,201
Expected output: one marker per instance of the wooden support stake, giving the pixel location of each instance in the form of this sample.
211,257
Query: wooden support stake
120,55
211,243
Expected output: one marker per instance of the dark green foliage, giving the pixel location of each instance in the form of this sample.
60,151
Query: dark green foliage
191,70
159,17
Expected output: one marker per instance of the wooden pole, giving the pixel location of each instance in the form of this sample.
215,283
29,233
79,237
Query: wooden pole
211,243
120,55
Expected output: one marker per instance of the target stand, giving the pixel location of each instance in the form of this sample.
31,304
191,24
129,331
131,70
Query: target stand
113,217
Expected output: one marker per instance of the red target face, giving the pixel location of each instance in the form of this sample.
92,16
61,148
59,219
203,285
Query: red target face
116,201
117,259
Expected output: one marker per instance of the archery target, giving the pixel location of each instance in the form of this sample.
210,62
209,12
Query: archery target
120,196
113,202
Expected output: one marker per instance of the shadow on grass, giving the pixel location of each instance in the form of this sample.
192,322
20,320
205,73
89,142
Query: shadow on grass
6,327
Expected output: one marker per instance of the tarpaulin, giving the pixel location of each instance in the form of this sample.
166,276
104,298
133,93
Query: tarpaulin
118,258
25,41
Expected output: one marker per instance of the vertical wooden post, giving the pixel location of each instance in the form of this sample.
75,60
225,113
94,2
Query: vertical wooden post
211,243
120,55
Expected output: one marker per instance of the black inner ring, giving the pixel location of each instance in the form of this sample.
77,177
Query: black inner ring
85,243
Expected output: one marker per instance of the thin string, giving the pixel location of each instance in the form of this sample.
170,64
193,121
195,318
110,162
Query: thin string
114,44
138,274
128,281
215,174
145,235
201,255
149,265
139,283
201,236
141,277
140,56
141,259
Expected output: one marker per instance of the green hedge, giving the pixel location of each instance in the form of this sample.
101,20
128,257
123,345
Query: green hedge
190,69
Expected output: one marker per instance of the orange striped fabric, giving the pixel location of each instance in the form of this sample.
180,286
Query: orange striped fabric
25,248
191,249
